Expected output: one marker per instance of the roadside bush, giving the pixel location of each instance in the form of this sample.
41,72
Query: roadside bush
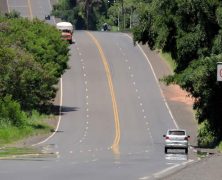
11,113
15,124
191,31
220,147
33,57
206,138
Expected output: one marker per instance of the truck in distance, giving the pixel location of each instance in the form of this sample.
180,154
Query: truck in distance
66,29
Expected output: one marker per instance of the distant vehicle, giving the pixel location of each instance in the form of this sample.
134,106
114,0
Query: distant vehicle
176,139
106,27
66,29
47,17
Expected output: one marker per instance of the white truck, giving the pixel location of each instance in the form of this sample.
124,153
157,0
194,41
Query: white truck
66,29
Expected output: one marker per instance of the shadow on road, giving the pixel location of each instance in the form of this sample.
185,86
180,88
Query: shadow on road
57,110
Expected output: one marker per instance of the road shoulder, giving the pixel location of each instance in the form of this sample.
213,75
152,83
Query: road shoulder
181,106
179,102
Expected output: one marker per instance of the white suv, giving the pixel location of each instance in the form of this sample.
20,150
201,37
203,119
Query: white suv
176,139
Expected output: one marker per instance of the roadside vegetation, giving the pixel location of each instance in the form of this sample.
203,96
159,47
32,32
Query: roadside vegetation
191,33
32,59
92,14
188,31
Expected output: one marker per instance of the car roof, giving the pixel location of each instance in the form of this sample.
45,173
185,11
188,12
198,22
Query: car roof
176,130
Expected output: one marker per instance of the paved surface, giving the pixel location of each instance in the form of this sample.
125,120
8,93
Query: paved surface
113,113
207,169
87,131
181,106
178,100
137,161
3,6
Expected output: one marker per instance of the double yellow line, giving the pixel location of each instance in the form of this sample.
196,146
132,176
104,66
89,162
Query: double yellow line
115,145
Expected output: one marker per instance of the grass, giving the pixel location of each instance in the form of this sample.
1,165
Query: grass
13,151
35,125
12,134
201,154
114,29
168,58
220,147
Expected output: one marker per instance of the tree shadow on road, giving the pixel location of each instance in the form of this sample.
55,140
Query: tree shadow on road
61,110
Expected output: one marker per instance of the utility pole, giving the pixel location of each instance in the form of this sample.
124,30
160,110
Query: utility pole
88,5
118,18
122,7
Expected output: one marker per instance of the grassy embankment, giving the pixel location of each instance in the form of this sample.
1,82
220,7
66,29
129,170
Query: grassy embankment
167,57
9,135
35,126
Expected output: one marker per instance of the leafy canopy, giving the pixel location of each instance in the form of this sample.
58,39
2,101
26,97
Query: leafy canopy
191,32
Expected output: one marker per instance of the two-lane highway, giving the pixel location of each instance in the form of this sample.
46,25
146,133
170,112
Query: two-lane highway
31,8
113,115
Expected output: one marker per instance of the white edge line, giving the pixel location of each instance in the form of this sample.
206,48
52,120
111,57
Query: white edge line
61,98
61,95
166,170
144,178
60,109
158,174
161,91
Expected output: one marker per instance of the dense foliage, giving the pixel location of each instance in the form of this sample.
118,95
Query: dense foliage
32,59
191,31
84,14
92,14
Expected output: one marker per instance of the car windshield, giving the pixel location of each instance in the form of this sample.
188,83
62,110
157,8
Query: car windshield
176,132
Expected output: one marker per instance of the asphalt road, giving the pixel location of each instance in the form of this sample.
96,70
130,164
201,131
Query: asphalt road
3,6
113,114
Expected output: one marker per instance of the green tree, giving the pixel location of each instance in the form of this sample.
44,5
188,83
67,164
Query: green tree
191,32
32,59
83,14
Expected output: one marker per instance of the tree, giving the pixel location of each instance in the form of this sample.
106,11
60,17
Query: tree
191,32
83,14
32,59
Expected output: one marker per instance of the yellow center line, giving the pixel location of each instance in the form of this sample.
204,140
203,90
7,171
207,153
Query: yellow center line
115,145
30,9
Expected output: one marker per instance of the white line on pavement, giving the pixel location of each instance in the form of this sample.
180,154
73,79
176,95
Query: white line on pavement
161,91
60,117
